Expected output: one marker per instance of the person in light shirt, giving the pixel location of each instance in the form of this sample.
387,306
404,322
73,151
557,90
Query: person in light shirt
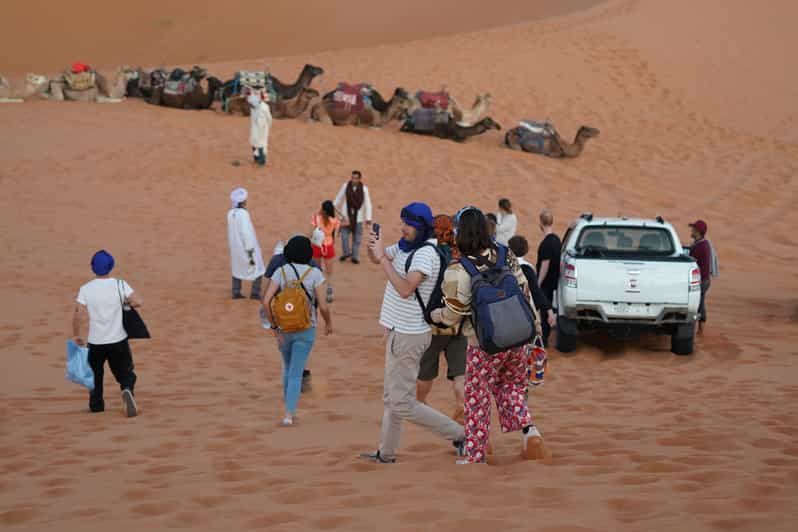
260,123
100,301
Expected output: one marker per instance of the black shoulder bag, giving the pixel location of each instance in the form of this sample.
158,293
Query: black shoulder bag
131,320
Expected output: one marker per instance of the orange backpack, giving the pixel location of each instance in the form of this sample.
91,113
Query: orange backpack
291,307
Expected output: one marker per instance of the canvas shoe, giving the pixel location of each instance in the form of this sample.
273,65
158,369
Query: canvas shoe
377,458
130,403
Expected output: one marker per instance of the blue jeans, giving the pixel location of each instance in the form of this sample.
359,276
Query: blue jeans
295,350
350,240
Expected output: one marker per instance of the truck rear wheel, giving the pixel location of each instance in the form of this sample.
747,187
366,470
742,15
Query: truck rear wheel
566,335
682,340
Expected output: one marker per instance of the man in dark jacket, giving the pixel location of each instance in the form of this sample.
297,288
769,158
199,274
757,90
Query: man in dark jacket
701,251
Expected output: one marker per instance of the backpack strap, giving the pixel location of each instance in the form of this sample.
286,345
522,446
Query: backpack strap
441,272
301,279
501,256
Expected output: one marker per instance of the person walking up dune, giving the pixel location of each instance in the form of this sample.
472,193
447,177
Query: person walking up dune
100,300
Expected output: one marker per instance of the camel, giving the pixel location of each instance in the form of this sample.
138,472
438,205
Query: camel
282,109
463,117
141,86
330,111
197,98
294,107
469,117
450,129
281,90
118,88
7,94
36,85
543,139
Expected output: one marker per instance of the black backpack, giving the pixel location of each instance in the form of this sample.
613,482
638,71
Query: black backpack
436,298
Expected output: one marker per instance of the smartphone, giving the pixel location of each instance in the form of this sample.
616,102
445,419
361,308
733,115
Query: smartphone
376,229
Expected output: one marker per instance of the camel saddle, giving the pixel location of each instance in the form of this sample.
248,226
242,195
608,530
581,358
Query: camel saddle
245,80
430,100
352,97
537,128
180,87
80,81
251,79
426,119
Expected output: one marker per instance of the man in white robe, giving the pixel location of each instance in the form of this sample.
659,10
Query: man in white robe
260,122
245,256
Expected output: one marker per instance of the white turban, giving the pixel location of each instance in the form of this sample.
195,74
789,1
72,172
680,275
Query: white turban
237,196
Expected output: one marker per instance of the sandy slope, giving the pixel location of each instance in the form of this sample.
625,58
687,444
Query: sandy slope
643,440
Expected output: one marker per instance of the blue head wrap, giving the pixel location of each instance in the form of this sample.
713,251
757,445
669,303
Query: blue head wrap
419,216
102,263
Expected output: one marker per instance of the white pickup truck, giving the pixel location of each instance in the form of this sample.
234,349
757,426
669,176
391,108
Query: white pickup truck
625,275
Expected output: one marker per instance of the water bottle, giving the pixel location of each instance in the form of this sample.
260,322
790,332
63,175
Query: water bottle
537,365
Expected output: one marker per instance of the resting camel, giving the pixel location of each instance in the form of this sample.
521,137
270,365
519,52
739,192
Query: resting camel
330,111
543,139
198,98
450,129
283,91
118,88
6,93
469,117
36,85
282,109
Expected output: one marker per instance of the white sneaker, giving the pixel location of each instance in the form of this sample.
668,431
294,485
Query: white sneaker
532,433
130,403
287,421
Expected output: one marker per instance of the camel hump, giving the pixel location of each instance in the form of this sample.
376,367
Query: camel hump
431,100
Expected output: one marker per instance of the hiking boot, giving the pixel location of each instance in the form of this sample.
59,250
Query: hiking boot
238,296
130,403
377,458
344,257
355,261
329,294
255,296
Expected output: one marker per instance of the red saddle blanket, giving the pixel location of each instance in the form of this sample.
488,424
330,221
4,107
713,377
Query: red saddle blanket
351,97
430,100
77,68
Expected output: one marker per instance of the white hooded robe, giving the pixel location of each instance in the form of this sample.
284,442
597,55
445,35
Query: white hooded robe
241,236
260,122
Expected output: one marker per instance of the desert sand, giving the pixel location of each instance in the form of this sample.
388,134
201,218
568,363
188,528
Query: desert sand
696,102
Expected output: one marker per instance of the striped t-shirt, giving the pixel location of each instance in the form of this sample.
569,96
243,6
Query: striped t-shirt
404,315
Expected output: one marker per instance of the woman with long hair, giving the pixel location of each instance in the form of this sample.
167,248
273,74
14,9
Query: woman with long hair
504,374
295,346
324,251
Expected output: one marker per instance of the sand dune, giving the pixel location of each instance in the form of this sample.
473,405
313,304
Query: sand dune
694,124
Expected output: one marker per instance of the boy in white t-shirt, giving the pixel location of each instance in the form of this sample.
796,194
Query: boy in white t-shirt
101,301
409,335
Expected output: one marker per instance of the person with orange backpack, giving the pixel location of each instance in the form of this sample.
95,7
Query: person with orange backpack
290,303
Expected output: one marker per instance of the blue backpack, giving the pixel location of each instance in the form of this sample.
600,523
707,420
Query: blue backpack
501,313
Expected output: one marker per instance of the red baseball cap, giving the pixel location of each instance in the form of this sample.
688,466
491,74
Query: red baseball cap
700,226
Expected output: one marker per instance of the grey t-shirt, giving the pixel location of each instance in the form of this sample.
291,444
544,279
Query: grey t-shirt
312,280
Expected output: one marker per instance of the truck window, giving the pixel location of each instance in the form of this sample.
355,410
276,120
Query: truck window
623,241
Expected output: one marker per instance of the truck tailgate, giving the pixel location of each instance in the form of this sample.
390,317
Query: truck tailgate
633,281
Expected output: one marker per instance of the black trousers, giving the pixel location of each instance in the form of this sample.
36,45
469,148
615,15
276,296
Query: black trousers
544,322
120,360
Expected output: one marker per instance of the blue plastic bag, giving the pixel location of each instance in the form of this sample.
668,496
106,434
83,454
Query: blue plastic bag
78,369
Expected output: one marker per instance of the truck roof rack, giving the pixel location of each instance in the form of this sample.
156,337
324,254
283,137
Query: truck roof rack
587,216
660,219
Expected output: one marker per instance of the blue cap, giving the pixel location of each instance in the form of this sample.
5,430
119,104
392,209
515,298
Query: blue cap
102,263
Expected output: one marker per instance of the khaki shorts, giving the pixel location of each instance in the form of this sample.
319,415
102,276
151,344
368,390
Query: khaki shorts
455,349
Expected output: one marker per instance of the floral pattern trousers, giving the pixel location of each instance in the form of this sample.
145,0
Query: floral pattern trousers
503,375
